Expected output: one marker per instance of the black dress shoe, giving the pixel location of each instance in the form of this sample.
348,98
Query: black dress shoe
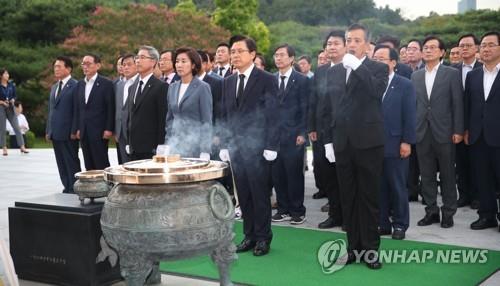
328,223
319,195
261,248
428,219
474,205
373,262
325,208
483,223
462,202
398,234
245,245
384,231
351,258
447,222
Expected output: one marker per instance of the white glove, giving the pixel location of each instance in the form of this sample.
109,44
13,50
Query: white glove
163,150
350,61
329,153
205,156
270,155
127,149
224,155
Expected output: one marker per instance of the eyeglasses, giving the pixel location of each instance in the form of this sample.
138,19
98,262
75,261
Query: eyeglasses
280,55
466,46
86,64
141,57
412,49
239,51
488,45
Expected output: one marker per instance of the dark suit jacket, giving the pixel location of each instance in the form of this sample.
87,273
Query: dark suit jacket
146,122
355,109
62,121
98,114
403,70
252,126
317,101
189,122
227,72
399,106
215,83
482,115
293,108
444,111
459,67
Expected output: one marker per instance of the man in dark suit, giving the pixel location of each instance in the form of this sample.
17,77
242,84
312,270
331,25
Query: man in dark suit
147,104
357,133
96,114
166,66
61,122
399,107
440,125
121,113
325,173
287,170
482,93
468,46
222,59
393,43
250,113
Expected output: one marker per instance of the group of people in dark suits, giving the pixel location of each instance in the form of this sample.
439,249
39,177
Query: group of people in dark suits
365,113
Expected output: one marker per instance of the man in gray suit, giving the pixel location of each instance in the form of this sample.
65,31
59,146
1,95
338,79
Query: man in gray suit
440,125
129,71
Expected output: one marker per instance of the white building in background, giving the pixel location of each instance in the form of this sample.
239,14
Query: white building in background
466,5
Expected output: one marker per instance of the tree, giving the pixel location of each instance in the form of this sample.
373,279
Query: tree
240,17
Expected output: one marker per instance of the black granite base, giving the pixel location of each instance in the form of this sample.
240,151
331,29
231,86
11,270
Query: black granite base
54,239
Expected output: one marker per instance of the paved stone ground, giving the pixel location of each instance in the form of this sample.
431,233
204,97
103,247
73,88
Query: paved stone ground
35,174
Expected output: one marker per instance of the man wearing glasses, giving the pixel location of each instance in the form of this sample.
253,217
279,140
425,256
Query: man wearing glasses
482,123
468,46
95,113
250,142
440,125
147,103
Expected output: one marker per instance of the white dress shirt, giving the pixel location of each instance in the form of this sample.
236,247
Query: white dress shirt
170,77
286,75
88,86
224,71
430,76
465,69
182,91
488,79
391,76
247,75
144,82
64,82
128,83
202,76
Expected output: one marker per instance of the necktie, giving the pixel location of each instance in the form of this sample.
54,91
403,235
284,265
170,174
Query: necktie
221,70
239,94
282,85
58,92
139,91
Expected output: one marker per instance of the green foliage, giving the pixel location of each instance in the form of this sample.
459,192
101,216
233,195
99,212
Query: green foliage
114,32
307,40
30,139
240,17
186,6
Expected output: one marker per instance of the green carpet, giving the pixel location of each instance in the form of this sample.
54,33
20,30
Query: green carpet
293,261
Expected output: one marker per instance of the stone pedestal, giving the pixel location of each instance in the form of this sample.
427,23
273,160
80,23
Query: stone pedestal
54,239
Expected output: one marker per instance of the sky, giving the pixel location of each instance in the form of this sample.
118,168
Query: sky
417,8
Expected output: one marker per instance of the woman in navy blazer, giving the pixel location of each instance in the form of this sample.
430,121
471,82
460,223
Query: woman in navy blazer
189,116
7,98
